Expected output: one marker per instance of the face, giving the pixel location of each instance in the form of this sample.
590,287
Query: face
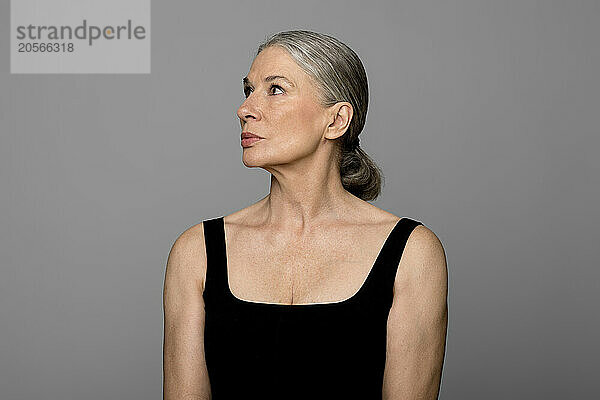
281,106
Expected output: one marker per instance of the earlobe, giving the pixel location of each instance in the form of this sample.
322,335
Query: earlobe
341,120
336,127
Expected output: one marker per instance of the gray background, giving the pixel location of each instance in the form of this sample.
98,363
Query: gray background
484,116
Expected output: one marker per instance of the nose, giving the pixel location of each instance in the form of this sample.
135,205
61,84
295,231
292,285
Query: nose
248,110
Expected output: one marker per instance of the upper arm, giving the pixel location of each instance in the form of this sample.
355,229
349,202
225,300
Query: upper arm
185,374
418,319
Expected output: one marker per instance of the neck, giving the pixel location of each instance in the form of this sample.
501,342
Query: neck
304,195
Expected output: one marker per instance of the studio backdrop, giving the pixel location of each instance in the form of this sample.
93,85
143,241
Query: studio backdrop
483,115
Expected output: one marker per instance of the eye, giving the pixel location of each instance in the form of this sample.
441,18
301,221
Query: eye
276,87
248,89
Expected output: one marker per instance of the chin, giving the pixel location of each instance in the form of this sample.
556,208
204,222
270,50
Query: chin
252,162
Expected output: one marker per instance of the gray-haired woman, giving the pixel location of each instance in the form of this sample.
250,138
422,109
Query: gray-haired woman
312,292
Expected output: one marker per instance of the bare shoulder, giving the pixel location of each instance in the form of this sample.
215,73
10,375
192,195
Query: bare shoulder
187,258
418,320
423,264
184,364
424,244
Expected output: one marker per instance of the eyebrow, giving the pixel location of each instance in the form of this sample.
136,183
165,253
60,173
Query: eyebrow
269,78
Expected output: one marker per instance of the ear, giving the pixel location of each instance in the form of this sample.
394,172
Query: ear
341,115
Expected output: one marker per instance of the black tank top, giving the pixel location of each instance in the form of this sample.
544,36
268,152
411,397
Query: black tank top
314,351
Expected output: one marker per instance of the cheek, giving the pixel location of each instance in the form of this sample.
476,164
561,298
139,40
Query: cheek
312,115
302,122
292,142
299,134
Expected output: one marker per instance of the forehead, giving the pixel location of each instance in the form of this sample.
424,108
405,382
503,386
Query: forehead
275,60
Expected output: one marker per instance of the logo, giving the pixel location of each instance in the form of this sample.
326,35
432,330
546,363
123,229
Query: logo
50,33
83,36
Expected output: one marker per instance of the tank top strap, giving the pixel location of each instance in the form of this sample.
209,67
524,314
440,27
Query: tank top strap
386,265
216,264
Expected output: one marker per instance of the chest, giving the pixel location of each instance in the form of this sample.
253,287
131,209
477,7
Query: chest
312,270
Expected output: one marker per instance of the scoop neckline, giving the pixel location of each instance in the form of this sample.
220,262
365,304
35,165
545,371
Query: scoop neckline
332,304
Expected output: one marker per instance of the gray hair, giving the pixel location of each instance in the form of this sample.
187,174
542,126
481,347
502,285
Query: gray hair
339,75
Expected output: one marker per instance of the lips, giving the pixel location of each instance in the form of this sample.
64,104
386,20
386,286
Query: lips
248,135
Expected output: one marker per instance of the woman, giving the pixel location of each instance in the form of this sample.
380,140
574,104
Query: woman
312,292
